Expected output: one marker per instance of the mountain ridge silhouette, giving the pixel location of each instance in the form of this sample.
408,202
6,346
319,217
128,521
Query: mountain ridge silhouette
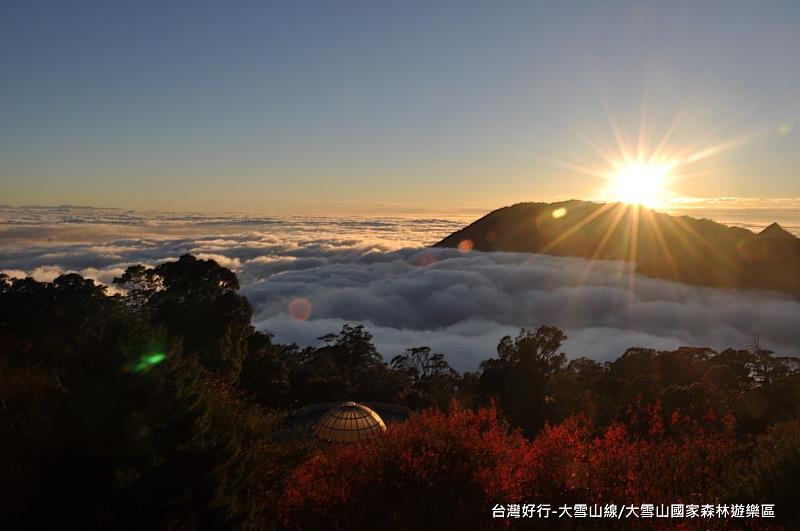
775,230
680,248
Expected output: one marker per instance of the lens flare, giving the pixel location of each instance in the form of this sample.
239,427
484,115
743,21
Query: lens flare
145,362
300,309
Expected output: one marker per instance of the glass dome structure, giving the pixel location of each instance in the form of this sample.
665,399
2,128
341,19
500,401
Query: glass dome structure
349,422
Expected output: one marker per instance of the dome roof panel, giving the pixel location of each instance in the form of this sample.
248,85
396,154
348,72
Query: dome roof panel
349,422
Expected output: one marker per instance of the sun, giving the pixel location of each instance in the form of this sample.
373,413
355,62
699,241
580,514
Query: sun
647,168
640,183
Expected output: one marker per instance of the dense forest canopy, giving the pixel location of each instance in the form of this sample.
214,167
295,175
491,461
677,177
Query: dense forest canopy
160,406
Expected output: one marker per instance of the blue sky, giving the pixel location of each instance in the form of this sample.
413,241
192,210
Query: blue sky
315,107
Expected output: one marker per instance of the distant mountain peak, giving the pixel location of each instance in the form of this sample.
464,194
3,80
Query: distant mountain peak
682,249
776,231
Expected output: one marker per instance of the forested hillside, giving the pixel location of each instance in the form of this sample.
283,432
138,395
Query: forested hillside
161,407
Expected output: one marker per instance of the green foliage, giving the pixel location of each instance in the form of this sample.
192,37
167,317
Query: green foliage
347,367
433,381
519,379
163,408
107,418
267,371
196,300
773,475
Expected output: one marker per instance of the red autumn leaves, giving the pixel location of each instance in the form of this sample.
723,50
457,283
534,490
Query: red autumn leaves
448,469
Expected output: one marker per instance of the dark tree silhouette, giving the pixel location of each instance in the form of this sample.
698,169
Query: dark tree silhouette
131,411
433,380
519,378
198,301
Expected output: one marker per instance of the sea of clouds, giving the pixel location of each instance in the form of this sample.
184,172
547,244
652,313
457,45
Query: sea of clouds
378,271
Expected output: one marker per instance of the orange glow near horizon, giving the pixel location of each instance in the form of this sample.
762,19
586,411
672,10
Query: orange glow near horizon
647,168
633,174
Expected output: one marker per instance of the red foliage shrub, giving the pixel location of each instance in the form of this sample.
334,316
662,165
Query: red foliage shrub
448,470
436,470
651,457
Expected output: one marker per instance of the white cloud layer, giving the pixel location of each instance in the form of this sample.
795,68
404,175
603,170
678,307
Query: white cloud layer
377,272
460,304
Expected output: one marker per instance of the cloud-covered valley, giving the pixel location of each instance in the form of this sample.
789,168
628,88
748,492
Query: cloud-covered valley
378,271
